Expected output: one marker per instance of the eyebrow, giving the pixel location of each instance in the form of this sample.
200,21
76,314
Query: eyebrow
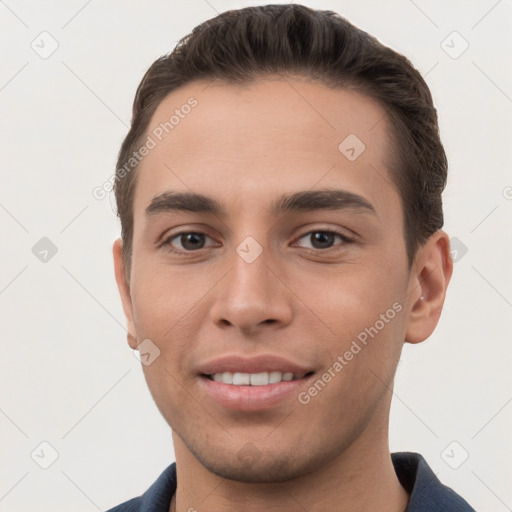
308,200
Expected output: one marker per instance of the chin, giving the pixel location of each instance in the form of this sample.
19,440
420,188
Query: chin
273,471
252,466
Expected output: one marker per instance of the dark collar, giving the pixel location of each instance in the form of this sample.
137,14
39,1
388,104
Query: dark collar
427,493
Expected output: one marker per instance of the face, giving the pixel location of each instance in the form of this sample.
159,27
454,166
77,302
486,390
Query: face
264,251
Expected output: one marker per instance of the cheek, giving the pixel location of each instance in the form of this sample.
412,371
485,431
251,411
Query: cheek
349,299
365,315
163,298
362,357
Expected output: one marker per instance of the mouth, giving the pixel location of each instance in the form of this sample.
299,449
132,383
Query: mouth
255,379
255,383
262,391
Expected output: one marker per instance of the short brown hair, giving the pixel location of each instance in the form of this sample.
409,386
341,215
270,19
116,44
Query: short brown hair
242,45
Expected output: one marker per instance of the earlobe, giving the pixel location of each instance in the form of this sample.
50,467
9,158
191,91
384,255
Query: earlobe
430,277
124,291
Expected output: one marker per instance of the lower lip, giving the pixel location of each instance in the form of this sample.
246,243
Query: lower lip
252,398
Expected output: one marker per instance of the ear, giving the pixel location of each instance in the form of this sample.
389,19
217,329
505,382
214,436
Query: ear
124,291
430,275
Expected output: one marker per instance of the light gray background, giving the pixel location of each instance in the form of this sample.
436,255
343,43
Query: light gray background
67,375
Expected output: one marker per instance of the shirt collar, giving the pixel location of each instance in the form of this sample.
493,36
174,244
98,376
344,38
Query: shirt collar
427,493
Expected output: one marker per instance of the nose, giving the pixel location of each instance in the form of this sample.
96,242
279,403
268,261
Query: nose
252,297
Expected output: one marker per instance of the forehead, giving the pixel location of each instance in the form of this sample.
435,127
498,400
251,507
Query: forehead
242,142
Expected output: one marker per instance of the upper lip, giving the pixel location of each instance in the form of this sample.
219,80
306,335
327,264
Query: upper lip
256,364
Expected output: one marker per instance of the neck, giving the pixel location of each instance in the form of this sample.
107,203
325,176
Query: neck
361,478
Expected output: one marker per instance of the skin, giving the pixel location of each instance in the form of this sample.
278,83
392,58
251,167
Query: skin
245,146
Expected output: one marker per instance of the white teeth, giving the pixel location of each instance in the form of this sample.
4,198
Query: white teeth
259,379
253,379
241,379
226,377
274,377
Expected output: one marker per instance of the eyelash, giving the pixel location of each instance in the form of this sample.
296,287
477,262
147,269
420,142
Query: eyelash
168,246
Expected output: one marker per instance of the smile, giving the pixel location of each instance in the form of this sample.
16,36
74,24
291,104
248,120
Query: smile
254,379
252,392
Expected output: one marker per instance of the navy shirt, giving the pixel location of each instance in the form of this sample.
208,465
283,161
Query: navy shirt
427,493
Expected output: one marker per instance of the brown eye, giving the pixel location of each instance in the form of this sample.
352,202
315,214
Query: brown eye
185,242
323,239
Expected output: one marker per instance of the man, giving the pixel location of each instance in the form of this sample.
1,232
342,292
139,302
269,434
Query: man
280,201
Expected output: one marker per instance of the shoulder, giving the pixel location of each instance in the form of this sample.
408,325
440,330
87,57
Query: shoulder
427,493
132,505
156,499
